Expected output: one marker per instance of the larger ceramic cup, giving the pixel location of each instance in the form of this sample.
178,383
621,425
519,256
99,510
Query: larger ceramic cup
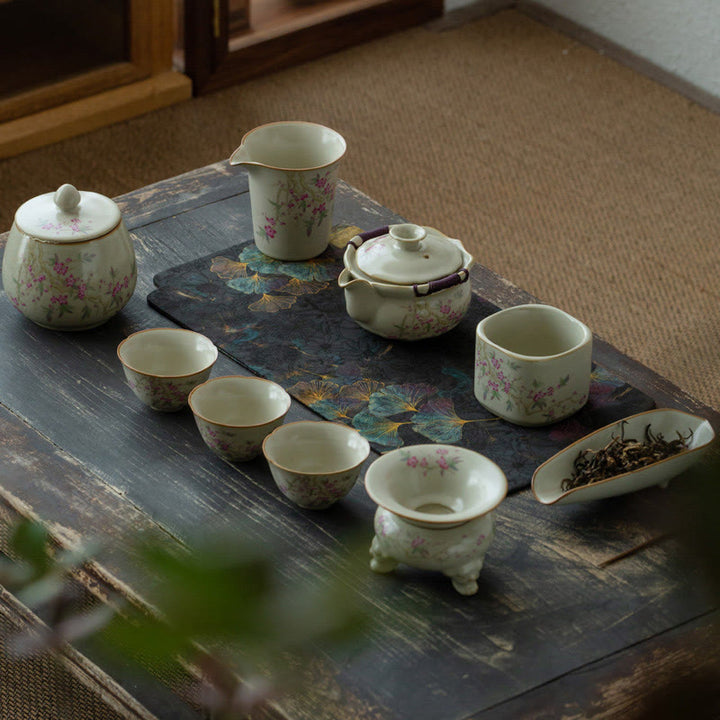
293,169
532,364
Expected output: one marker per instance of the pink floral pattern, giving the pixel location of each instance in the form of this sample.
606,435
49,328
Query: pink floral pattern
459,552
314,492
299,201
431,316
235,444
166,394
441,460
65,289
500,382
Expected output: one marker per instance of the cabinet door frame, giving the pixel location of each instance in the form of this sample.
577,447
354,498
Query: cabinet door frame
151,29
214,60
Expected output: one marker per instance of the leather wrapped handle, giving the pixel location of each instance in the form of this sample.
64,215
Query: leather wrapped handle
358,240
443,283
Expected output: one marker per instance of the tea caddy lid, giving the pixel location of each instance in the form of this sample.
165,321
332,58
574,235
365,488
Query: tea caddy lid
68,215
409,254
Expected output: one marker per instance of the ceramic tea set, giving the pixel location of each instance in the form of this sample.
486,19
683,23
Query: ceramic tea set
69,264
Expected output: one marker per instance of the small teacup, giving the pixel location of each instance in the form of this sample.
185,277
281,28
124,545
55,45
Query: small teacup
532,364
315,463
234,414
162,365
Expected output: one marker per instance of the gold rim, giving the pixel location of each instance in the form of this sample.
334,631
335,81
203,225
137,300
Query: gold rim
244,377
165,377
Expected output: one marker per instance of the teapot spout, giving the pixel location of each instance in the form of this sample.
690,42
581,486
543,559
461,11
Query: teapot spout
361,300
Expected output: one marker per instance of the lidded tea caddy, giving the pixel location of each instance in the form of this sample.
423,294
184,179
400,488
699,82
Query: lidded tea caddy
69,263
406,282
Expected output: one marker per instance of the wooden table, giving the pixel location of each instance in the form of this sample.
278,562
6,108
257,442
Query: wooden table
582,610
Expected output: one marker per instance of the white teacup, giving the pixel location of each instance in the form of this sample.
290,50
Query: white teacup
293,169
162,365
235,413
532,364
315,463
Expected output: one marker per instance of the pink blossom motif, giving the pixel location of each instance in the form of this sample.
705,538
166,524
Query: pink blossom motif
495,362
60,268
416,542
443,463
445,308
412,461
424,463
59,299
81,290
550,391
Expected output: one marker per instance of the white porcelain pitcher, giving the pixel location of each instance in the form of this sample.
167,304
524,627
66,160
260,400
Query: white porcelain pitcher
293,168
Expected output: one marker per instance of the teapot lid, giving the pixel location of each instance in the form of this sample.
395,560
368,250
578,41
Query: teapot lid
67,215
409,254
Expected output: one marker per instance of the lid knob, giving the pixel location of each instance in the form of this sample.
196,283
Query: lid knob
408,236
67,198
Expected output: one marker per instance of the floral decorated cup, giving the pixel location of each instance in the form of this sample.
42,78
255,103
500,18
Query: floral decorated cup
69,263
293,169
532,364
435,510
162,365
315,463
234,414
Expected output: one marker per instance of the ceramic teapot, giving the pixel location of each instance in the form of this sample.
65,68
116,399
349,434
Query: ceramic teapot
406,282
69,263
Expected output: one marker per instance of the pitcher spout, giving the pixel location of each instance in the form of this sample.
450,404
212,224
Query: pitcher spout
361,299
241,156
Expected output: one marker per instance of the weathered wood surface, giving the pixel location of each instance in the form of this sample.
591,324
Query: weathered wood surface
563,588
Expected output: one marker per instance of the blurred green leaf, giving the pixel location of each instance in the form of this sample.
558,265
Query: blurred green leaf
29,542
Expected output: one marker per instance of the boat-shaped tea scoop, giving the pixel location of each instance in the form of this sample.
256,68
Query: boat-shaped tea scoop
549,482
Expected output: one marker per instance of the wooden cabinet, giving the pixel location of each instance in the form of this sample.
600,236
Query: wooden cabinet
227,41
77,65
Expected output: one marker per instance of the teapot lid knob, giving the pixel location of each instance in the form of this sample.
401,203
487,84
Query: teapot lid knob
67,198
408,236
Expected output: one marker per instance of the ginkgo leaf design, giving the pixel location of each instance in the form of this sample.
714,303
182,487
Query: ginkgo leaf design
272,303
394,399
322,268
438,421
303,287
380,430
310,392
334,409
227,269
254,284
363,390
